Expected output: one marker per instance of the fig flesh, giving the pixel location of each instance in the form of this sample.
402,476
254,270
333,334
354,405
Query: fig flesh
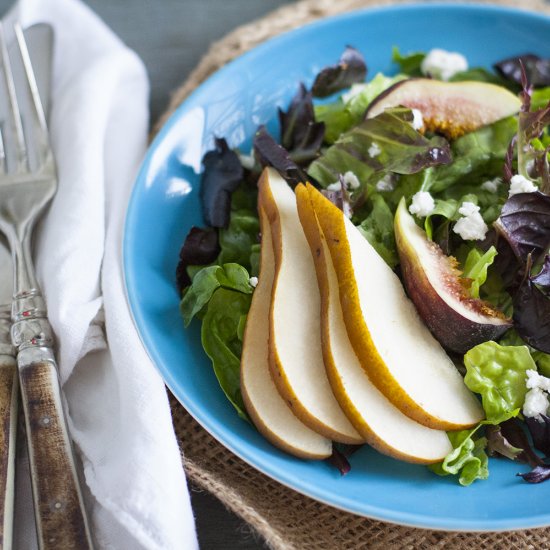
433,282
449,108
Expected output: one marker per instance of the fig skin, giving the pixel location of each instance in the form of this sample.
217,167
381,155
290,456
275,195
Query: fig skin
449,108
450,327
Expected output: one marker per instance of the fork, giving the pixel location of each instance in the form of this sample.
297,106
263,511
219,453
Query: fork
28,182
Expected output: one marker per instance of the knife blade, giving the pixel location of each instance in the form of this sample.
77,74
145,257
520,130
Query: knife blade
40,43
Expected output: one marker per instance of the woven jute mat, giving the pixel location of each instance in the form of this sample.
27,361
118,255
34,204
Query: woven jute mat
284,518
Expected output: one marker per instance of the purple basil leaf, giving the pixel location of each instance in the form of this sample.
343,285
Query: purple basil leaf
537,70
537,475
525,224
532,315
498,444
543,277
222,174
301,136
540,432
513,432
201,247
340,198
270,153
339,461
509,161
350,69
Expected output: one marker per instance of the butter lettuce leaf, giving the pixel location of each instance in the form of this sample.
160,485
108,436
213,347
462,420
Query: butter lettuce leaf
468,458
476,267
498,374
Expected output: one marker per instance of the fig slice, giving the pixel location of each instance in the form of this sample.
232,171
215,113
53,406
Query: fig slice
433,282
449,108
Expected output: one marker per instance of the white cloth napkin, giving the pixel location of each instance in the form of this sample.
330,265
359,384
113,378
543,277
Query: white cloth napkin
119,412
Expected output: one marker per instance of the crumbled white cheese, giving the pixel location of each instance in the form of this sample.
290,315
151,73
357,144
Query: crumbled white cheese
491,185
443,64
471,226
248,161
336,186
536,380
253,281
374,150
387,183
354,91
351,181
520,184
418,119
422,204
536,399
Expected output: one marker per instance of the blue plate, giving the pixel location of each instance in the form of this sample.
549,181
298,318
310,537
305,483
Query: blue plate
165,204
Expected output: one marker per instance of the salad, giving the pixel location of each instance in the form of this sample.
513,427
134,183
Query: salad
464,153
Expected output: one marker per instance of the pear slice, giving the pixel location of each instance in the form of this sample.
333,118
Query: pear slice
295,354
382,424
394,346
433,282
267,409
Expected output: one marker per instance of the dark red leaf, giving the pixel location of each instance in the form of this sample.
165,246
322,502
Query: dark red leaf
201,247
301,136
350,69
222,174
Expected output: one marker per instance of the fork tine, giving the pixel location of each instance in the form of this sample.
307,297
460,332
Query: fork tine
17,125
42,137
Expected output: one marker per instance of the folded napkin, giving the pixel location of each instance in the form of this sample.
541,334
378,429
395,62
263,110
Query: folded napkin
119,413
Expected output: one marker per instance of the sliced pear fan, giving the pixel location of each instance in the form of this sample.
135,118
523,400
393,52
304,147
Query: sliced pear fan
392,343
382,424
267,409
295,354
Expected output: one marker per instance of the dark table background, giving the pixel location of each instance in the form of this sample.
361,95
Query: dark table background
171,36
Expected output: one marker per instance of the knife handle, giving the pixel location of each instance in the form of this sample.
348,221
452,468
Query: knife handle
60,513
59,507
9,392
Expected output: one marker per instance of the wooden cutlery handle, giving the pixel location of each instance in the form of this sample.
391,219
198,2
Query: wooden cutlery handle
59,506
9,392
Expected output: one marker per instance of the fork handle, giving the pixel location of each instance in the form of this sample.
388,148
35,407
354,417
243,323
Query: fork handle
59,507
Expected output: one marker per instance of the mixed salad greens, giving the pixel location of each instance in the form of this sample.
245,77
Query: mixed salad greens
365,166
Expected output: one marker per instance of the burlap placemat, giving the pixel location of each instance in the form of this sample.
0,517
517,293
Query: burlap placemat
284,518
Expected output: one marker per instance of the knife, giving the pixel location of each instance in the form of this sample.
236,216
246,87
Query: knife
40,43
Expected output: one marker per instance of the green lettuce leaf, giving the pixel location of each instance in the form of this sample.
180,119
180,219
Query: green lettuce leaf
230,276
498,374
237,240
476,266
408,64
341,115
468,458
401,149
540,98
477,155
377,228
221,336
